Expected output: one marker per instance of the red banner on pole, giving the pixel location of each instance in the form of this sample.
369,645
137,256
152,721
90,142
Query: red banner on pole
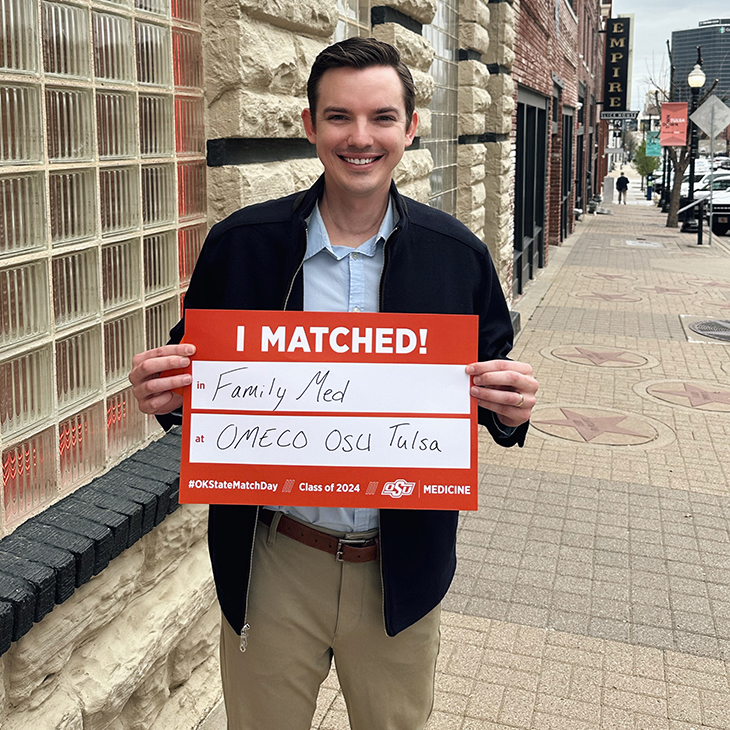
674,124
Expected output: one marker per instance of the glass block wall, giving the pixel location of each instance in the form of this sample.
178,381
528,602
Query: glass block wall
102,217
443,33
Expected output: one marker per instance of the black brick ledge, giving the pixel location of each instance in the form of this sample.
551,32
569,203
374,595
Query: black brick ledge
385,14
60,549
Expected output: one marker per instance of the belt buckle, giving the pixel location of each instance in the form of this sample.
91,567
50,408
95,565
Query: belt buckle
341,542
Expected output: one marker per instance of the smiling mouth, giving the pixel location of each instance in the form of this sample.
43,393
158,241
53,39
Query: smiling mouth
359,160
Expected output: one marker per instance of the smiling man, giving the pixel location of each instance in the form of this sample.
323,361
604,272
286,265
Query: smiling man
293,595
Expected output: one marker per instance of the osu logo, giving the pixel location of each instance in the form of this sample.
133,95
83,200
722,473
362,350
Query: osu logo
398,488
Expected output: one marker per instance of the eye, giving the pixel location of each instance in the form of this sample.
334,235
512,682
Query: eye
335,117
386,118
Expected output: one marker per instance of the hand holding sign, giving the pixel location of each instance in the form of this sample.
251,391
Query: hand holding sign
156,395
506,387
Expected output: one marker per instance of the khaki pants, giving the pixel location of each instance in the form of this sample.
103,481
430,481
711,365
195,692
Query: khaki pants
306,608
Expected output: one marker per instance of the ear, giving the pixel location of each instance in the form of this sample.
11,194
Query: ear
309,126
411,131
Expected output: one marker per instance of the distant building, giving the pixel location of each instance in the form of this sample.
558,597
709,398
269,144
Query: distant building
714,38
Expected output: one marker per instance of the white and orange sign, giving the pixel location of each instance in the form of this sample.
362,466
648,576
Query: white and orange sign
330,410
674,124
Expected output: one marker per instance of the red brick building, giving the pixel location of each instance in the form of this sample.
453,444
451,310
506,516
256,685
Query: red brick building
556,135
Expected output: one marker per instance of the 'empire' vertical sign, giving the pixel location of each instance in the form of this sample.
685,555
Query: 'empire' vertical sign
617,64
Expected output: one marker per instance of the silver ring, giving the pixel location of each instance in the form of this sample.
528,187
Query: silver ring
522,401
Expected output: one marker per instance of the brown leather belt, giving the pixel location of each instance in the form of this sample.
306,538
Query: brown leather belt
344,549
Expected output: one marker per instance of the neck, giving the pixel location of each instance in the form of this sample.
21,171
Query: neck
351,222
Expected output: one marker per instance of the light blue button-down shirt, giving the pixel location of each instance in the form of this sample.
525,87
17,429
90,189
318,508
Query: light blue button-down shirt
342,279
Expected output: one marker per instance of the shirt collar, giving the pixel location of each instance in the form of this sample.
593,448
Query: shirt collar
319,240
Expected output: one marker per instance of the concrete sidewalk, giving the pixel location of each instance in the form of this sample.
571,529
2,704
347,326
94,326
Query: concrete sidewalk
593,586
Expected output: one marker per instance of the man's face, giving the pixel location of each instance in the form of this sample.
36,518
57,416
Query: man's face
360,129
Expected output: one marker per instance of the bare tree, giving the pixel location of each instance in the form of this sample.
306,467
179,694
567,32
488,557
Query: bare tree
679,157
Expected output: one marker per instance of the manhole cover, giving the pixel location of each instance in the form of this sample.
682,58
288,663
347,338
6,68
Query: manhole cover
643,243
718,329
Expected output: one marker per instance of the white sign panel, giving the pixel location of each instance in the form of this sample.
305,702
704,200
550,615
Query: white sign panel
436,443
330,387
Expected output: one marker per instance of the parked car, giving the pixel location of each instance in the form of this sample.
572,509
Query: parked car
718,182
699,176
720,213
713,175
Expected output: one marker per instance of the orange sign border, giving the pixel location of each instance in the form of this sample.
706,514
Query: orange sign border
449,339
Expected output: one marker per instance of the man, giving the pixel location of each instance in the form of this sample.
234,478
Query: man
293,595
622,185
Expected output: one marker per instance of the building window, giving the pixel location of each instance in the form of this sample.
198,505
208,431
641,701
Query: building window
443,33
102,184
354,19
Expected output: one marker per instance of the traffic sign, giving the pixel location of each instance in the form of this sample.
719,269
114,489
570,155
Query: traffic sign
712,117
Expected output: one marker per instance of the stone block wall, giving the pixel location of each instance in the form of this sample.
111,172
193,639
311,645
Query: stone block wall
474,101
257,56
255,92
134,646
499,161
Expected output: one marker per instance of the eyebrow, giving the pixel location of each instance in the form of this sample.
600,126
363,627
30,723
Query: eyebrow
343,110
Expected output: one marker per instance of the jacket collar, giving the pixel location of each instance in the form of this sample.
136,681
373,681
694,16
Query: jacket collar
304,202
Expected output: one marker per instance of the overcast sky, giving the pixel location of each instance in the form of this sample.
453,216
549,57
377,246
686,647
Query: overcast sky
654,21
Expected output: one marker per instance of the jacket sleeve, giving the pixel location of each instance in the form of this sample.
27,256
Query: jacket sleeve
496,337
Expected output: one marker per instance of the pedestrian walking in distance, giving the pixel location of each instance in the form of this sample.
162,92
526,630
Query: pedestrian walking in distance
622,185
292,603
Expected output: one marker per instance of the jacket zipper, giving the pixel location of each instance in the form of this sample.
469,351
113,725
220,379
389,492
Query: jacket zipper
382,581
380,545
246,626
299,268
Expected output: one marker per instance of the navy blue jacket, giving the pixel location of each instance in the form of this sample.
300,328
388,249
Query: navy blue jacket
433,264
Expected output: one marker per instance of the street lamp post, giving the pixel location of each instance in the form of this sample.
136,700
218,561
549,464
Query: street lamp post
696,81
666,179
667,196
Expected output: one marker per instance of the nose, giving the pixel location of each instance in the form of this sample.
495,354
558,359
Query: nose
360,135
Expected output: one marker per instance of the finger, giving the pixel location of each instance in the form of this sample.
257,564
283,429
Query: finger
507,381
161,404
494,366
152,367
493,399
184,350
505,378
155,386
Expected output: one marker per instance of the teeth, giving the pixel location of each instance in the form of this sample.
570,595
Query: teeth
359,161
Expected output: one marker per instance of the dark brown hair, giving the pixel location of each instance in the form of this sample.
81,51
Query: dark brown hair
360,53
